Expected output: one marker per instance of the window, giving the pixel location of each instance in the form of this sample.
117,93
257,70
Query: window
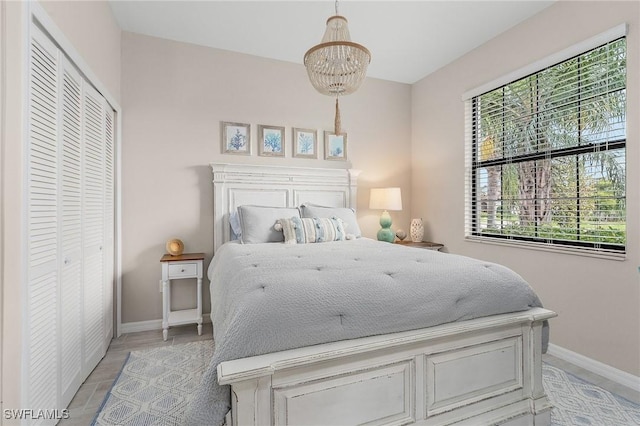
546,161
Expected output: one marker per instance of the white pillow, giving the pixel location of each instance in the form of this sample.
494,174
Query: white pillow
257,223
348,216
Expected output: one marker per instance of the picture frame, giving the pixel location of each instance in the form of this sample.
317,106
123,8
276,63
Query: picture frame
305,143
271,142
335,146
235,138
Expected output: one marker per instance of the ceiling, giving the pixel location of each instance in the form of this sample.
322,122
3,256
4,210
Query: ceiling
407,39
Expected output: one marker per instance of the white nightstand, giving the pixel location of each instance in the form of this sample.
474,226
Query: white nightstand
188,265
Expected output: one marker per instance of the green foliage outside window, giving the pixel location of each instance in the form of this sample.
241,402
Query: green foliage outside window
549,154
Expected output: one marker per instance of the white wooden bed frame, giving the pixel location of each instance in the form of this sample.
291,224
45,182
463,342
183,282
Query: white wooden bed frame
478,372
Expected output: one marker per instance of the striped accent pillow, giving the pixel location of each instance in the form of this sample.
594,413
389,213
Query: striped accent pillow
312,230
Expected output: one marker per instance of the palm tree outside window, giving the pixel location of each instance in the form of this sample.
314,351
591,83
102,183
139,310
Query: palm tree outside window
548,155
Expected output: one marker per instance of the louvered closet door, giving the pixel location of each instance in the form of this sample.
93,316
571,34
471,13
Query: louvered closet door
42,226
109,223
93,225
69,227
71,234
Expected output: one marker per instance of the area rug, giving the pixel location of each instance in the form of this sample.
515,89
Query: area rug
155,385
580,403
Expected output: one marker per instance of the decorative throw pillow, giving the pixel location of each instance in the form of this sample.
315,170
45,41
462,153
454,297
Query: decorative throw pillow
298,230
257,223
347,215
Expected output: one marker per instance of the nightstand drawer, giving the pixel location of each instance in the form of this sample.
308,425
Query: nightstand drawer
183,270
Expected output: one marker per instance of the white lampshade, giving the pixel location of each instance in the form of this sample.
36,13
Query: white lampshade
385,199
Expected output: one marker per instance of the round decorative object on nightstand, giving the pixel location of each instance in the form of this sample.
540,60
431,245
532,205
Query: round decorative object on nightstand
175,247
401,234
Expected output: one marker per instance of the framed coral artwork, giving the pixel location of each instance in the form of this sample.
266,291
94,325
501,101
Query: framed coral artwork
305,143
335,146
236,138
271,141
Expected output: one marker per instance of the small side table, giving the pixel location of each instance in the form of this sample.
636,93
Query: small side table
422,244
188,265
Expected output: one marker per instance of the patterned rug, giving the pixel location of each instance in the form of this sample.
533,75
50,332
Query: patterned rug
154,387
577,402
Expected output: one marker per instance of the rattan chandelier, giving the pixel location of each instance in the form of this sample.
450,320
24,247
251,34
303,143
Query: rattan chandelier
337,66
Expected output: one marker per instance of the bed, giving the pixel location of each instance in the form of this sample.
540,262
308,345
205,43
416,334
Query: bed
329,349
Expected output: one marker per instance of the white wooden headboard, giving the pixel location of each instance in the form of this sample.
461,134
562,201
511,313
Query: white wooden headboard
276,186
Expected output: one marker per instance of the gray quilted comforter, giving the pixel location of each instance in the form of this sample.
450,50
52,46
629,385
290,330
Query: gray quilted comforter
273,297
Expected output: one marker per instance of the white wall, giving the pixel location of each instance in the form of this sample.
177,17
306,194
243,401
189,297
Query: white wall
598,301
174,96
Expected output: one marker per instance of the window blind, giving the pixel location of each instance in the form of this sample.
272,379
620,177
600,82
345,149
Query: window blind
546,155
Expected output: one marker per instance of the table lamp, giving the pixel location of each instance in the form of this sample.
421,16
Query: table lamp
385,199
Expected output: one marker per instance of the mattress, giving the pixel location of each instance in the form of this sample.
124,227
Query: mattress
272,297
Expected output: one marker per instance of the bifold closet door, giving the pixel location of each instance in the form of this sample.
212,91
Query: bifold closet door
71,332
109,223
43,247
93,203
69,227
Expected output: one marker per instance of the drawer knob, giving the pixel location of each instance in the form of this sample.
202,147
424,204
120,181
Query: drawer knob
182,270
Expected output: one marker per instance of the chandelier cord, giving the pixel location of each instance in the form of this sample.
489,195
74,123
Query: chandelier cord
337,124
337,8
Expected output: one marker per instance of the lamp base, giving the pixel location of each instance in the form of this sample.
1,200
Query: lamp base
385,233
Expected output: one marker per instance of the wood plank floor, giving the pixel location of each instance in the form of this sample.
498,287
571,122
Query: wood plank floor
89,397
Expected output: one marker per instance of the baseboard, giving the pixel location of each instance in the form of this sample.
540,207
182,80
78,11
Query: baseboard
621,377
136,326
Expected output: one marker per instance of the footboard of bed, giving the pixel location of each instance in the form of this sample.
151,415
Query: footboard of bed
478,372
